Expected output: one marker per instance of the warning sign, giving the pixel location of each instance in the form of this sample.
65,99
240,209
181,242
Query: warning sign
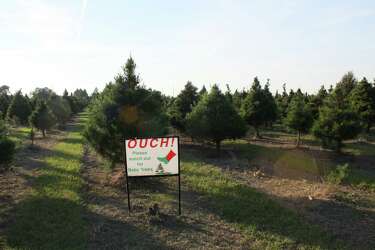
152,156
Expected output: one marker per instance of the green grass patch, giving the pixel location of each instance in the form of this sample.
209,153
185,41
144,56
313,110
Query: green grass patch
265,223
20,135
361,178
52,217
360,149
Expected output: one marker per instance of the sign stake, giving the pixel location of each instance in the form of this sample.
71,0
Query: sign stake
127,178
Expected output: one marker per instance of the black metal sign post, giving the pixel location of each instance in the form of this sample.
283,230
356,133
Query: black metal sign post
178,175
127,177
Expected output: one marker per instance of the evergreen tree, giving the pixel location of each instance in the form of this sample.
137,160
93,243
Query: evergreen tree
202,92
347,84
5,99
237,100
124,109
19,109
60,107
228,94
42,118
183,105
65,94
337,121
7,146
41,95
299,117
282,102
214,118
363,102
271,111
254,107
317,101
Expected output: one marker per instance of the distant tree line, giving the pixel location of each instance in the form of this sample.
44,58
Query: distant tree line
126,109
43,110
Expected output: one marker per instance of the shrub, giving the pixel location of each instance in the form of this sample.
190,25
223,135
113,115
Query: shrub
7,150
7,147
339,174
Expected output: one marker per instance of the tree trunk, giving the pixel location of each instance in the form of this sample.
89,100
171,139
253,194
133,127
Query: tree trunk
44,133
218,148
257,132
298,139
339,145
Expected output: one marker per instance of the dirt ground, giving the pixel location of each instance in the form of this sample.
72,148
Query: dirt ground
343,211
346,212
196,228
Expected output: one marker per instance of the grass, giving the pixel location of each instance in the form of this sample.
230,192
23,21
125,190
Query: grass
361,178
265,223
360,149
52,217
19,135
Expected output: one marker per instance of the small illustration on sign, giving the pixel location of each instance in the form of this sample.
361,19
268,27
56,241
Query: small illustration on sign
165,160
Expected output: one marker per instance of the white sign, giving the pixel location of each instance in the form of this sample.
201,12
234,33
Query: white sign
152,156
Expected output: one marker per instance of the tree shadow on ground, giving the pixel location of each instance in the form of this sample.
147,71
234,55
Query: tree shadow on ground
354,225
49,223
250,209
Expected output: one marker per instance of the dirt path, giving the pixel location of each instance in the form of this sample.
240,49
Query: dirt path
113,228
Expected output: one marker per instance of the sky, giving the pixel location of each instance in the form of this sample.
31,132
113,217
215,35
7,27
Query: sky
83,43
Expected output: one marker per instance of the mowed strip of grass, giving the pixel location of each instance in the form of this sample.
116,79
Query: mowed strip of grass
266,224
52,217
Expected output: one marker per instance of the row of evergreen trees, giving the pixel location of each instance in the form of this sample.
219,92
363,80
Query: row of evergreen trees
42,111
332,116
127,109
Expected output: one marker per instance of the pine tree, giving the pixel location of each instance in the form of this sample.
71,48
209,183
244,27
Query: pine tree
363,103
7,146
299,117
316,101
60,107
271,112
124,109
228,94
5,99
214,118
183,105
254,107
347,84
19,109
42,118
282,102
202,92
337,121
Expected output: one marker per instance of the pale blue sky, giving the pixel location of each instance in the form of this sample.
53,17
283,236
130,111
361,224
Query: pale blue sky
70,44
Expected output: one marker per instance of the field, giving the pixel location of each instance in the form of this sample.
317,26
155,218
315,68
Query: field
260,194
